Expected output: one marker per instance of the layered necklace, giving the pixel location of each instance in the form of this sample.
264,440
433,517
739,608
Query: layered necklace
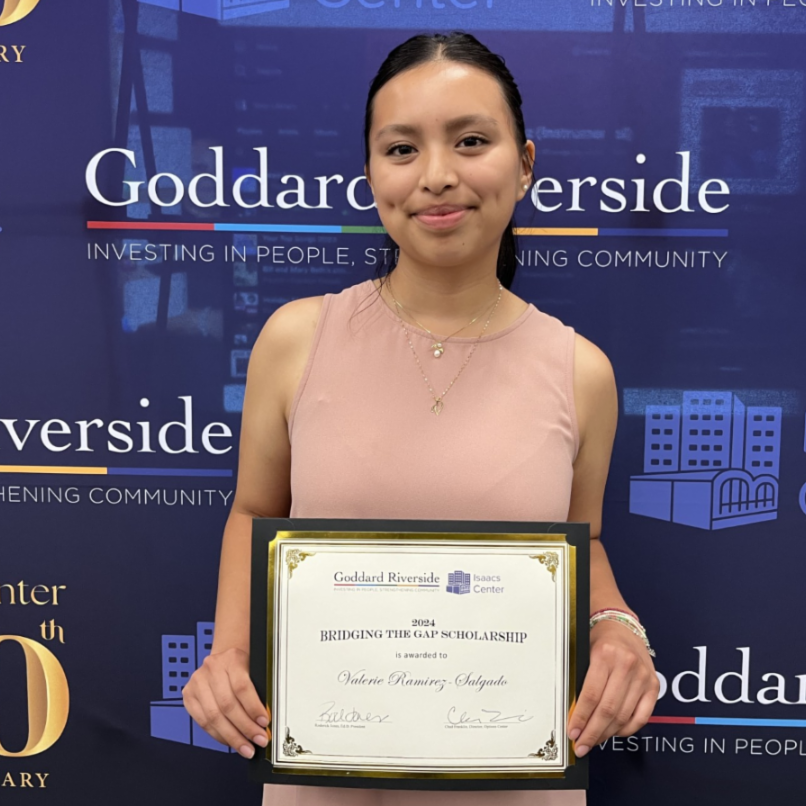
438,348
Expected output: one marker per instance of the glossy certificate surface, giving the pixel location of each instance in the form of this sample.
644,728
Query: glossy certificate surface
420,654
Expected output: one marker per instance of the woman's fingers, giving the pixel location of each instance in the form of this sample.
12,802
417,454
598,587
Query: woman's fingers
222,699
625,714
589,697
606,710
228,687
210,717
244,689
640,717
624,701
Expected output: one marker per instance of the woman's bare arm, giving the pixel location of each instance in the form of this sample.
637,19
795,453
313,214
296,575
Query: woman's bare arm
620,687
220,695
264,460
596,400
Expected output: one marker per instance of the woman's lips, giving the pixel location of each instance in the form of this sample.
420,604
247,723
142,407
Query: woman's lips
442,221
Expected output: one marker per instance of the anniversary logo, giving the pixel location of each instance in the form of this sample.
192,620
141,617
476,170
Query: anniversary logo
15,10
43,680
12,11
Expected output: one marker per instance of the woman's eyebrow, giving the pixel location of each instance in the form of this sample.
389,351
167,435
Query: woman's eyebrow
451,125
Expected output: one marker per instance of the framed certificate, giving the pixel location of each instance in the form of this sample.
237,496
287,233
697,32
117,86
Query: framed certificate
415,654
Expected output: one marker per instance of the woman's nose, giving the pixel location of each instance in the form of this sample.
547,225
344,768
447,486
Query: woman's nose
438,173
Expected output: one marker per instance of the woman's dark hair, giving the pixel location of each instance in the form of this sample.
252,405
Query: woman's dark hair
456,46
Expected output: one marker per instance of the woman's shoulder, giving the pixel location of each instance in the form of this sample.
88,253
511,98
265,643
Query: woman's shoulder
293,321
299,317
285,341
590,361
595,390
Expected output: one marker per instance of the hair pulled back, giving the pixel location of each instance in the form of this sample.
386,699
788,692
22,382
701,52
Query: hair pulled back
456,46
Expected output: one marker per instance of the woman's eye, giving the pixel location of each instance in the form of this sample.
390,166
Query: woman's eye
475,137
393,149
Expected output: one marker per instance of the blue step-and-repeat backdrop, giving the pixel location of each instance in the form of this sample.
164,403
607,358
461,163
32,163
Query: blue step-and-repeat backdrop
172,171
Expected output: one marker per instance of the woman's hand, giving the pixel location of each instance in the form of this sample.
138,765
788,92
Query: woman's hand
620,688
221,697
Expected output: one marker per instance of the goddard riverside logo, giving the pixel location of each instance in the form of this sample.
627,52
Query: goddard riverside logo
613,195
16,10
392,580
459,582
120,436
150,443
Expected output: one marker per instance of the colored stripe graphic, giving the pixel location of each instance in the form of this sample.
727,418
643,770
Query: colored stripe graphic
554,231
380,585
665,233
116,471
727,721
332,229
123,225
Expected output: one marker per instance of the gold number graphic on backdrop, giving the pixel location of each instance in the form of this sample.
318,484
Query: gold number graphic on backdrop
15,10
48,697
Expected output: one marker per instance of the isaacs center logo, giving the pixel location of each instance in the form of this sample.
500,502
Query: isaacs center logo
12,11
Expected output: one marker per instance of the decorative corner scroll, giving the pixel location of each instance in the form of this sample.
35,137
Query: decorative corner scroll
294,557
550,559
290,746
549,752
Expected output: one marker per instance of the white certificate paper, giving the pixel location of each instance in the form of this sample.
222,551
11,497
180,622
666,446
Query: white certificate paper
427,654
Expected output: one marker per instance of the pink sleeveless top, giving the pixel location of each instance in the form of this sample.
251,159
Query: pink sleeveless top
365,444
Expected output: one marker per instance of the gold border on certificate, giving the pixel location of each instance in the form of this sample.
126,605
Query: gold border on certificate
380,771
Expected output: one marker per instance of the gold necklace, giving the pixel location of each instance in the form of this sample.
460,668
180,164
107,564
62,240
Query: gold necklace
438,401
437,348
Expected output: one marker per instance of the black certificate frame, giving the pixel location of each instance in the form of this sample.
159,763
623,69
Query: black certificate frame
265,530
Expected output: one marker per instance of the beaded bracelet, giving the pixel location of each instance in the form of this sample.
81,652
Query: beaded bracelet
616,610
629,620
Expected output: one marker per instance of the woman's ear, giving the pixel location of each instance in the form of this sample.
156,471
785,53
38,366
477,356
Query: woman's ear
530,160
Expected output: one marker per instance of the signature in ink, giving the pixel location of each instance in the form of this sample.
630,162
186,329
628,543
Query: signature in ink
490,718
333,715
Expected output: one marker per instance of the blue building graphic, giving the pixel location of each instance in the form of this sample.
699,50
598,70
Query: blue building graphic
458,582
220,9
181,656
711,463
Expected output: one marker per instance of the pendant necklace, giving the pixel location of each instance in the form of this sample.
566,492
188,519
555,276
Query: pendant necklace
438,347
438,399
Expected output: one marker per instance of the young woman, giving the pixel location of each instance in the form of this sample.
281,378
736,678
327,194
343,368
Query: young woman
429,392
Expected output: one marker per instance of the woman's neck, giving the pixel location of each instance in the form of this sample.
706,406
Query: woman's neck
443,294
443,303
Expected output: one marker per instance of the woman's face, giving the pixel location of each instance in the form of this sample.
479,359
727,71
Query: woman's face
423,153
